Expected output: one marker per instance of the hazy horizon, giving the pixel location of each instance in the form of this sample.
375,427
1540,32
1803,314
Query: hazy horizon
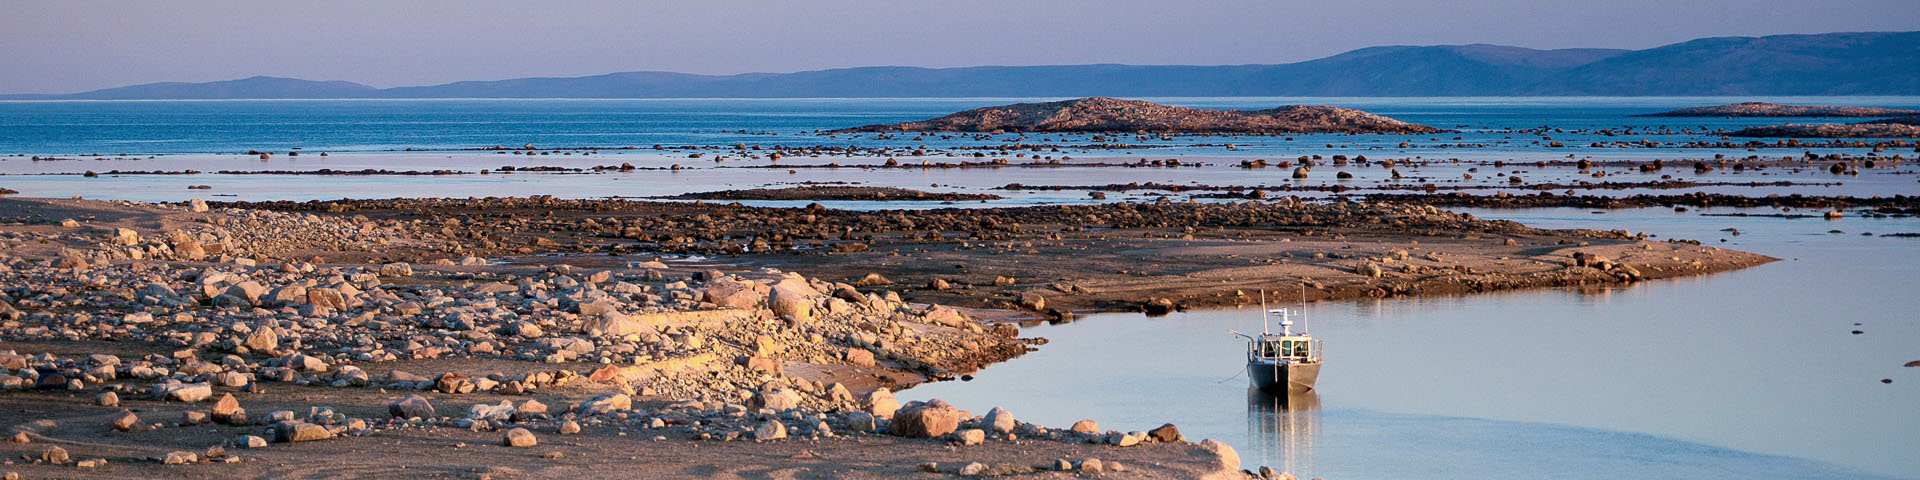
87,45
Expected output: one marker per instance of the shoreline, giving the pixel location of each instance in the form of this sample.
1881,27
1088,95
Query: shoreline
722,353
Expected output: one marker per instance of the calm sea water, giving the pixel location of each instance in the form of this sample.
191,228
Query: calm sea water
212,136
182,127
1739,375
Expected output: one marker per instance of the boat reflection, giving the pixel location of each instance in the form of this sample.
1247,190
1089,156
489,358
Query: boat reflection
1284,427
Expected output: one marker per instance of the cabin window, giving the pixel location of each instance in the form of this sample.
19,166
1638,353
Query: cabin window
1293,348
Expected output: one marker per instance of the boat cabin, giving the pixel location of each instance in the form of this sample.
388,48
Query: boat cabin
1284,348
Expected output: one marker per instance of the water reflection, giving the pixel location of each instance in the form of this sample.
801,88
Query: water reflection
1284,428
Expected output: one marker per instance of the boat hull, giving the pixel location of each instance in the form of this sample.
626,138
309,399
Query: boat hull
1283,378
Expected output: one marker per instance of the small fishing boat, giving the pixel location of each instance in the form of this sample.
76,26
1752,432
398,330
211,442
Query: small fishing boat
1282,363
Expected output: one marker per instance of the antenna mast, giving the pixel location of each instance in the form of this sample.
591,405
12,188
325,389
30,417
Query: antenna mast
1303,306
1264,329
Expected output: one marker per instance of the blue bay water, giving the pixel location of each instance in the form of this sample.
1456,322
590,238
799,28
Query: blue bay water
179,127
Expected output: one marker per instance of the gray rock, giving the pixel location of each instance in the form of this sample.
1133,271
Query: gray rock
413,406
999,420
770,430
1091,465
492,413
292,432
304,363
183,392
973,469
604,404
861,422
1227,458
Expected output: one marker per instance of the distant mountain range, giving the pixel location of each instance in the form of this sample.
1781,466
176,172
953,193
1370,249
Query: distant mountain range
1879,63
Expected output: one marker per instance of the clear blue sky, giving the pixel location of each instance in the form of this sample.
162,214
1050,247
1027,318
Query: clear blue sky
72,45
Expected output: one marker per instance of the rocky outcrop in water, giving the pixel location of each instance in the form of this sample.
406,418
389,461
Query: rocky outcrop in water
845,193
1101,114
1913,120
1844,130
1763,109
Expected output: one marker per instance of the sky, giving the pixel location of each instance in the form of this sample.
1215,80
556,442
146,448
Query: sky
63,46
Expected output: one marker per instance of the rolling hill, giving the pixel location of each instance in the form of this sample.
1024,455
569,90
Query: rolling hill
1872,63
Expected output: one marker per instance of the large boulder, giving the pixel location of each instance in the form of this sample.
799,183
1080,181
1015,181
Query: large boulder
413,406
1165,434
782,399
501,412
125,421
452,382
227,411
611,324
999,420
187,248
126,237
304,363
293,431
518,437
183,392
880,403
794,298
263,340
1229,459
397,269
247,290
597,307
860,357
731,292
769,431
944,315
1033,301
925,420
327,297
